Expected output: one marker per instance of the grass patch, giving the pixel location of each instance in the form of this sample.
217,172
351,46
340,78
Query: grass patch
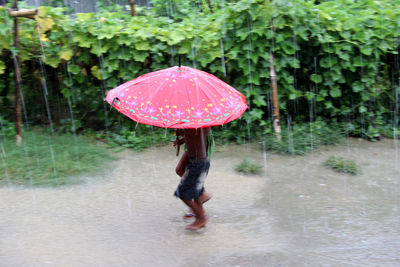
342,165
44,160
389,131
249,167
302,138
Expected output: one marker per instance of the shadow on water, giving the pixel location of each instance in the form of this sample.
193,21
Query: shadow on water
297,213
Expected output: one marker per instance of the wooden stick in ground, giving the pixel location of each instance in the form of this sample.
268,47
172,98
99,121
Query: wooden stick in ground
132,5
17,79
275,101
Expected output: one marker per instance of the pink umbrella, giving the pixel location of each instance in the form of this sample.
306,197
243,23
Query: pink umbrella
178,97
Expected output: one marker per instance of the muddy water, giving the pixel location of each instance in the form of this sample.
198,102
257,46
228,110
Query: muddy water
297,213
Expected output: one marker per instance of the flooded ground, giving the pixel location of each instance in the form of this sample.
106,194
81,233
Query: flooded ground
297,213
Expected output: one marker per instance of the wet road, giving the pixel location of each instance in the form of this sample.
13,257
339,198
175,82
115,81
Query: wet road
297,213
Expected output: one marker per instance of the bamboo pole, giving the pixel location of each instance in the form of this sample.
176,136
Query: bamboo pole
275,101
274,91
132,5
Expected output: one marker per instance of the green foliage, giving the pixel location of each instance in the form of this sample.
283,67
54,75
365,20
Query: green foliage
236,131
7,128
137,139
44,160
69,126
389,131
249,167
341,164
57,3
338,55
301,138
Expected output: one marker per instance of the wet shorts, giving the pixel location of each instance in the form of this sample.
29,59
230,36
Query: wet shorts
192,182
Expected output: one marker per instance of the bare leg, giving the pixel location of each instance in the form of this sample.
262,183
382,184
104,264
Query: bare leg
201,218
204,197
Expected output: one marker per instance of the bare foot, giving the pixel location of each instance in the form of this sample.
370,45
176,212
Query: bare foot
203,198
198,223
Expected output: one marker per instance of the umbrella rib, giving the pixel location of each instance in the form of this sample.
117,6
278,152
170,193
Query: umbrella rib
220,94
211,99
161,85
187,93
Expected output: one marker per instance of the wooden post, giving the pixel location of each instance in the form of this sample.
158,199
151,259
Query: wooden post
275,101
17,79
28,13
132,4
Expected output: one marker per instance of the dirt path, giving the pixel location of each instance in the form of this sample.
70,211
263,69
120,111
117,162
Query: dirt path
298,213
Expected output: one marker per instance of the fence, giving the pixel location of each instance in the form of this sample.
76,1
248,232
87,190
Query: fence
86,6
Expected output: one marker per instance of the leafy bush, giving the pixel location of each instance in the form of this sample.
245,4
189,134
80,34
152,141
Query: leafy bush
69,126
337,57
302,138
7,128
249,167
389,131
138,139
341,164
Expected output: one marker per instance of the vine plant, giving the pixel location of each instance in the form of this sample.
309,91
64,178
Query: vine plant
335,59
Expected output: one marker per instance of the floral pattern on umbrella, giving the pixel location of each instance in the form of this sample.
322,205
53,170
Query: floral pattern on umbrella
178,97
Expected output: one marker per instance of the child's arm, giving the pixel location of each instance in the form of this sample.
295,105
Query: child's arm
180,168
177,141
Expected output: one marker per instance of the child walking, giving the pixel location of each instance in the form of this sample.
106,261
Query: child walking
193,168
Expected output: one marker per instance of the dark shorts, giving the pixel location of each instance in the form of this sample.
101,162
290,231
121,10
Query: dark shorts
192,182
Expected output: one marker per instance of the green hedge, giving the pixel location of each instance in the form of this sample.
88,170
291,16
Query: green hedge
336,59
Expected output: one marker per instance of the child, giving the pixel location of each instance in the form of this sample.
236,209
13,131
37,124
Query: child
193,167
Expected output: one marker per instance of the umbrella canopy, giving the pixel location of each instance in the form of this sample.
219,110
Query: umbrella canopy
178,97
